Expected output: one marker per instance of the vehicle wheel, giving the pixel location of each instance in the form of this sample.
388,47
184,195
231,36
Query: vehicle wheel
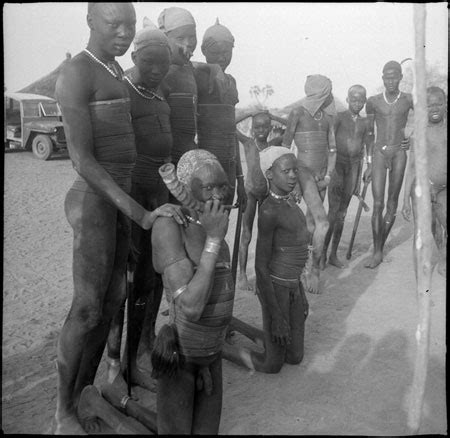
42,147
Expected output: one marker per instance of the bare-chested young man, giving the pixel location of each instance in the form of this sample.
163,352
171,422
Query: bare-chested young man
311,127
255,182
437,173
352,133
150,114
216,109
388,111
195,264
281,254
96,113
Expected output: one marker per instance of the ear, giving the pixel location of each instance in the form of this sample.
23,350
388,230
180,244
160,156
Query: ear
269,174
89,21
346,99
133,57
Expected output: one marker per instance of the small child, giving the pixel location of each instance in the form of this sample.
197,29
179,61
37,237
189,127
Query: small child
352,133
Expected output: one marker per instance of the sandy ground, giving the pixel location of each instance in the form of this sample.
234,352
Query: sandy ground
356,375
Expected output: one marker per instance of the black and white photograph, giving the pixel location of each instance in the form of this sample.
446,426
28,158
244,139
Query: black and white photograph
225,218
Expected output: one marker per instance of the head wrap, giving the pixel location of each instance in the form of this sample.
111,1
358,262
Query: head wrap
191,161
149,35
317,90
172,18
392,65
217,33
270,154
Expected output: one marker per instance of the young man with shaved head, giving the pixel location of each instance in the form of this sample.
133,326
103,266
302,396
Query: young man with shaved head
388,111
96,112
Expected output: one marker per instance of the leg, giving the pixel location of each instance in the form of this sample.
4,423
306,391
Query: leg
208,408
246,236
175,402
297,312
94,226
378,187
440,212
395,184
114,343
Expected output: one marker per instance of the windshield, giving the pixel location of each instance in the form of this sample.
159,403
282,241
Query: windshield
50,109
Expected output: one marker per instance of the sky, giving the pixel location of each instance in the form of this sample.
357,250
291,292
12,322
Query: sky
276,44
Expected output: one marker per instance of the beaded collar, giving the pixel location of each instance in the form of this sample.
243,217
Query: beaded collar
280,197
391,103
113,68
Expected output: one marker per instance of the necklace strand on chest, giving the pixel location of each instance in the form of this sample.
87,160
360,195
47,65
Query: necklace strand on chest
136,88
110,70
395,100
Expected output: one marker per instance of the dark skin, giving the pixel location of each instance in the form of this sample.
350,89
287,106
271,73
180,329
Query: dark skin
256,186
390,119
100,233
279,224
151,65
196,411
437,172
352,133
220,53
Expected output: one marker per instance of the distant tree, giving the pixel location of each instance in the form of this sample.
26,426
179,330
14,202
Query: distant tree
261,94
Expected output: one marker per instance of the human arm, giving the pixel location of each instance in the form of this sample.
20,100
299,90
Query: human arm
290,128
170,259
281,120
331,163
240,187
409,180
216,76
73,94
267,222
368,141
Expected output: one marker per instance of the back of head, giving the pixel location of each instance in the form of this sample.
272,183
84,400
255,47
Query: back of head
173,18
150,35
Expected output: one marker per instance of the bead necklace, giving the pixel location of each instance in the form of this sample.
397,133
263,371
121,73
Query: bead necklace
320,118
280,197
391,103
137,88
111,70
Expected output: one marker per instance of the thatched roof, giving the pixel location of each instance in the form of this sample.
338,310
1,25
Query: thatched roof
45,86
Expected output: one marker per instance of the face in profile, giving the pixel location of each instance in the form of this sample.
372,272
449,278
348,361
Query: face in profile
283,174
113,26
183,41
356,101
210,182
436,107
153,63
261,126
391,80
220,52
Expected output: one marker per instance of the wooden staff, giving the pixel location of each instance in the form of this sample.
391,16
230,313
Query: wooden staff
423,236
361,205
237,238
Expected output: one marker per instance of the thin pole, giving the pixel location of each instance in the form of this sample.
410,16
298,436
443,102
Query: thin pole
423,238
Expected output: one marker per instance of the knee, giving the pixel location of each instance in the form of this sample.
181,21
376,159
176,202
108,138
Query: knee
378,206
87,316
246,236
391,207
340,216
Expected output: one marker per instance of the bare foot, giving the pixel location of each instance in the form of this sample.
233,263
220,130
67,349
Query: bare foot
243,283
333,260
310,280
376,259
92,425
323,261
68,425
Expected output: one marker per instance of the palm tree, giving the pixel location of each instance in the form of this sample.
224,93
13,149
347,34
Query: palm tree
261,94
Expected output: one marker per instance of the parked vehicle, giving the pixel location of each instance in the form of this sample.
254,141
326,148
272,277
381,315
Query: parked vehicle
33,122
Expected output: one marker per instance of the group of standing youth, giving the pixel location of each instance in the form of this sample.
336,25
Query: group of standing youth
156,153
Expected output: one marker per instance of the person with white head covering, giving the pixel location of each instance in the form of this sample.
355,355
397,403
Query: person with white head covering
282,250
311,127
194,262
150,115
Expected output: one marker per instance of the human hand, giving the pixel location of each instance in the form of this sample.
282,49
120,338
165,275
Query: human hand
166,210
367,177
214,219
216,79
405,144
324,182
406,210
280,330
241,194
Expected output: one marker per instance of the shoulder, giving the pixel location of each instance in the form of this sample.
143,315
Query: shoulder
76,77
165,231
268,213
408,97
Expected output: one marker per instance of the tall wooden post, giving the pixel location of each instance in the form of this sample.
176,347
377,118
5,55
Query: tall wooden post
423,236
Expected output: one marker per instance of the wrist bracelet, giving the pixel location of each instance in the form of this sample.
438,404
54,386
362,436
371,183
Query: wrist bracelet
239,176
124,401
327,177
332,150
212,246
369,159
179,291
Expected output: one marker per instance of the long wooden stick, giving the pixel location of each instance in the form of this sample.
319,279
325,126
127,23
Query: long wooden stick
237,239
357,218
423,236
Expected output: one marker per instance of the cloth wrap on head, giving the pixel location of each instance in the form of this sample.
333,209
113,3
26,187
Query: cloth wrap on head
269,155
150,35
217,33
317,90
173,18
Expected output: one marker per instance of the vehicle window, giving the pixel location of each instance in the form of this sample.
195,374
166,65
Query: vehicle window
50,109
31,109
